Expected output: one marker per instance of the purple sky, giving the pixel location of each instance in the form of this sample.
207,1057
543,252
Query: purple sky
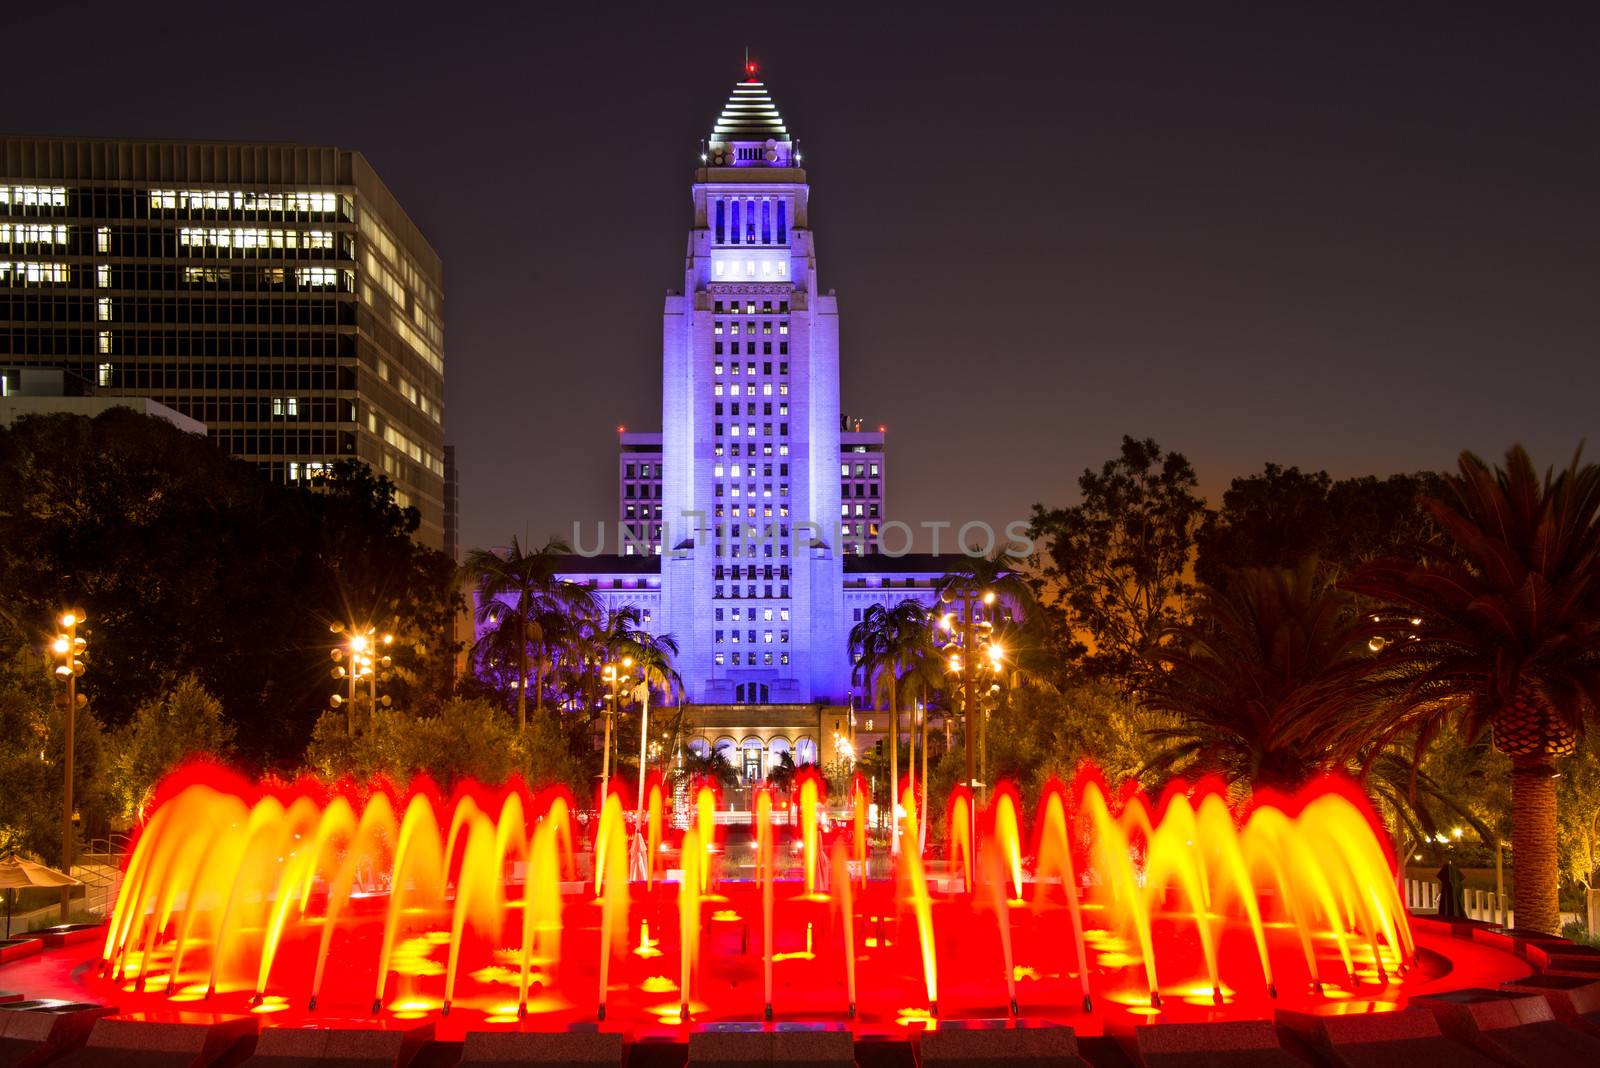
1359,244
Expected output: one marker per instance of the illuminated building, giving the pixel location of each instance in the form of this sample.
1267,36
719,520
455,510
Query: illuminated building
861,489
712,545
277,293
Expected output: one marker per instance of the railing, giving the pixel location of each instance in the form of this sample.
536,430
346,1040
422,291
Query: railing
1422,895
99,868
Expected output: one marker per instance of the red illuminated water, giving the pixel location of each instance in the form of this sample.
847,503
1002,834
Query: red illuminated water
501,907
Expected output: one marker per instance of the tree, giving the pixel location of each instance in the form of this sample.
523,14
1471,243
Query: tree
164,732
781,775
652,656
1043,734
1268,670
1283,515
709,768
31,771
187,561
461,740
520,589
1506,638
886,642
990,595
1115,563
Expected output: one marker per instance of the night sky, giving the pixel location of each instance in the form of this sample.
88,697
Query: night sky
1359,244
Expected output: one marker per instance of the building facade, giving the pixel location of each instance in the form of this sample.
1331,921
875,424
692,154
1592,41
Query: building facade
749,525
751,572
277,293
861,490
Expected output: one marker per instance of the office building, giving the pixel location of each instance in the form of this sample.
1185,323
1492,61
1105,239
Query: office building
277,293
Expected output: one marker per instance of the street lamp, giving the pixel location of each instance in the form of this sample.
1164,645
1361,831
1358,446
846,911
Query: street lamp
363,651
644,734
962,627
68,650
611,673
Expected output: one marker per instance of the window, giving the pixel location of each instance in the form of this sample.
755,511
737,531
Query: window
33,196
33,273
33,234
251,239
316,277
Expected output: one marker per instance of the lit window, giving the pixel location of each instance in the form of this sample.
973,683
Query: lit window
104,342
102,309
103,372
33,234
34,196
102,276
311,277
226,200
102,239
34,273
250,239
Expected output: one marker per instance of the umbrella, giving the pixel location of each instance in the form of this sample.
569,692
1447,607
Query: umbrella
15,872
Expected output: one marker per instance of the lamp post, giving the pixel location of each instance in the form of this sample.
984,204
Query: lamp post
996,660
961,649
364,649
612,673
644,734
68,649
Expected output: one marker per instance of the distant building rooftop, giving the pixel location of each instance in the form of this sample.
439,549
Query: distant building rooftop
51,391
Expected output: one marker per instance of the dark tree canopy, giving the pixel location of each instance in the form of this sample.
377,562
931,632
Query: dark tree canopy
187,561
1284,515
1116,563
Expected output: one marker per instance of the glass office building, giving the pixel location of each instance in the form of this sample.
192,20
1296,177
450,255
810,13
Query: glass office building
277,293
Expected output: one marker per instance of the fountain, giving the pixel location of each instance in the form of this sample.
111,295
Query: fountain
502,907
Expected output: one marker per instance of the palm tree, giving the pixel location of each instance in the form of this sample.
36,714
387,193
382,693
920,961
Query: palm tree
781,775
1505,637
1264,675
599,637
712,766
652,656
527,587
882,645
992,580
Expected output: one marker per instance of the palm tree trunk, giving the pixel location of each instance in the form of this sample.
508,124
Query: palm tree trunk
1533,844
538,686
894,763
522,668
922,815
